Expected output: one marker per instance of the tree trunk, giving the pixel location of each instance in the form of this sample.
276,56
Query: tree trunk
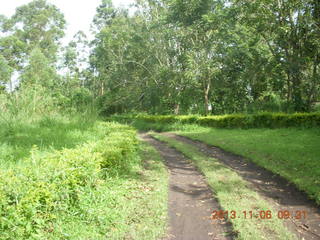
295,71
312,92
176,109
206,98
288,88
102,89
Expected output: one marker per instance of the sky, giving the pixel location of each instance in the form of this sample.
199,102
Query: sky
78,14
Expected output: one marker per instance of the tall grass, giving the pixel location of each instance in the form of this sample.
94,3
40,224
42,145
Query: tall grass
31,117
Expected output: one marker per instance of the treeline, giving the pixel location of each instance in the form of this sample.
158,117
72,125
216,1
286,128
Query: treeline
170,57
37,75
209,56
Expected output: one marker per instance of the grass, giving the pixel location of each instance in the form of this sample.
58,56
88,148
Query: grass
132,206
234,194
47,133
77,178
292,153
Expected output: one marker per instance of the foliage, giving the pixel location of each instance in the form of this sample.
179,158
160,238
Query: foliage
38,72
113,209
168,57
5,71
37,24
33,194
38,81
261,120
207,56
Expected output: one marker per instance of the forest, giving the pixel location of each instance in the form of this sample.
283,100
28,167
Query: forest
168,57
88,128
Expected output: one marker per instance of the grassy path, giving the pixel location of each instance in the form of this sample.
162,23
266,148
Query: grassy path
191,201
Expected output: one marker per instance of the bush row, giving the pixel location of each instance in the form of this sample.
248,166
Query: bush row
261,120
32,195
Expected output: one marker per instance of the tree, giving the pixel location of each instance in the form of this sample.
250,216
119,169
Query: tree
5,71
291,31
105,14
38,72
75,58
232,55
37,24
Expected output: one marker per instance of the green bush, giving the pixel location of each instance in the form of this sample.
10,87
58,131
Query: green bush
32,195
260,120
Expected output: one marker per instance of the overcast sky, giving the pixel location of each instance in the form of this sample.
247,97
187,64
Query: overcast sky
78,13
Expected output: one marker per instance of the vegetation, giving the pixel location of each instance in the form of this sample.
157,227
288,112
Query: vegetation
47,193
290,152
208,56
234,195
168,57
64,174
261,120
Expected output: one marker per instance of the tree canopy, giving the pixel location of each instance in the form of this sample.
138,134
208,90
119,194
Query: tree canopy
176,56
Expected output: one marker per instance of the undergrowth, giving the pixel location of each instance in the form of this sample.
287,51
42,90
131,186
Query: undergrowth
63,178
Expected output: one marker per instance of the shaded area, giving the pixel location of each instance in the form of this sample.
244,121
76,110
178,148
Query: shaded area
17,139
191,201
278,191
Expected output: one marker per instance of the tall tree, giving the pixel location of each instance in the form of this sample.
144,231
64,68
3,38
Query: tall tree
38,72
5,72
37,24
290,29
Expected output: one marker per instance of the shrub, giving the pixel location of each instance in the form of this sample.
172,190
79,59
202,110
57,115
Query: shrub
260,120
33,194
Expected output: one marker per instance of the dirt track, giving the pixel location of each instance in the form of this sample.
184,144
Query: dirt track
191,201
275,189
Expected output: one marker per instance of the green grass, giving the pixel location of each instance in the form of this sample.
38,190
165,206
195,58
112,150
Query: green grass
292,153
47,133
130,206
234,194
77,178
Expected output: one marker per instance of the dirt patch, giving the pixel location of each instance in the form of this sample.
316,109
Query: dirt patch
283,195
191,201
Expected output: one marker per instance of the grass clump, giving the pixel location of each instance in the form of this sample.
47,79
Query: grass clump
113,209
48,133
234,194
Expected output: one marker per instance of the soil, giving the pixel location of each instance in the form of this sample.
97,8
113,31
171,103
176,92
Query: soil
278,191
191,202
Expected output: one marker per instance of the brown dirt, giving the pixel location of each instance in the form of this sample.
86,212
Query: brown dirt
275,189
191,201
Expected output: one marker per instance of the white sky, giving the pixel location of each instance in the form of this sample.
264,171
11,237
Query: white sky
78,13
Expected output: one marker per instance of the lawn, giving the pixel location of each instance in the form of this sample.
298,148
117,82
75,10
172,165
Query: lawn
290,152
